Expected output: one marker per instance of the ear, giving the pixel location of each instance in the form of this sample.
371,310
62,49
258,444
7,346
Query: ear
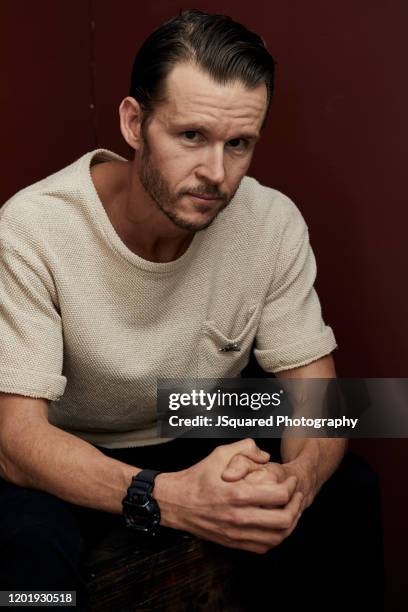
130,114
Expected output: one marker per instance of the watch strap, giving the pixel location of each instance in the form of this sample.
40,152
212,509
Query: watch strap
140,509
143,483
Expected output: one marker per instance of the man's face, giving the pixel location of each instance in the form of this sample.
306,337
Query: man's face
198,145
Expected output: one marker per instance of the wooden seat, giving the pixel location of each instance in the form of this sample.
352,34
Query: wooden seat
172,572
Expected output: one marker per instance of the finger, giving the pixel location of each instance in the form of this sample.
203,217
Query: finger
262,540
257,454
295,524
287,532
269,519
290,483
233,538
239,467
243,493
248,448
246,545
264,474
260,476
283,518
282,491
276,470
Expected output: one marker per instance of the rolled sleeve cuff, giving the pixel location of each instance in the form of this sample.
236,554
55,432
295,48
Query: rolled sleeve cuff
296,355
32,383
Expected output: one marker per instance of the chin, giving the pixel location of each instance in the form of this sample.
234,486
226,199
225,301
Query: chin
193,223
204,209
192,218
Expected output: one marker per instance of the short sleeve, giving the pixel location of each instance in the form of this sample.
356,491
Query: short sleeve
31,340
292,332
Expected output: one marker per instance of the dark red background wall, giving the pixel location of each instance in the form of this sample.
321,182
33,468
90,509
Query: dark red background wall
335,144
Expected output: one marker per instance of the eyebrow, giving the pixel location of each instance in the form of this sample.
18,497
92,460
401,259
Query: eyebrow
199,127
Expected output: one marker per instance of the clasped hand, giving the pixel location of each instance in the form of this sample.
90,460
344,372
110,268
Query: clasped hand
234,497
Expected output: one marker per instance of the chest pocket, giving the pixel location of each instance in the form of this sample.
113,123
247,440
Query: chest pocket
223,357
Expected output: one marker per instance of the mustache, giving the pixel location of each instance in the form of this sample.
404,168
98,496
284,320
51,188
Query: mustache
205,190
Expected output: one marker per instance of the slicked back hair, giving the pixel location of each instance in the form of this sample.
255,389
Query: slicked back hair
223,48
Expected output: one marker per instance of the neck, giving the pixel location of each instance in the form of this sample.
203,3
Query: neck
137,220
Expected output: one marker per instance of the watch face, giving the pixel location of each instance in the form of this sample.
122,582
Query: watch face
143,514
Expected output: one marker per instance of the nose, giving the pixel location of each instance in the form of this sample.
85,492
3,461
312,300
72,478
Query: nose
212,167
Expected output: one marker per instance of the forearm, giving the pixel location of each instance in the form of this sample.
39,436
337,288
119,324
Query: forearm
315,458
40,456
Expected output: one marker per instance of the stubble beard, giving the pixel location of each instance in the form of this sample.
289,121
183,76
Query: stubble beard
158,189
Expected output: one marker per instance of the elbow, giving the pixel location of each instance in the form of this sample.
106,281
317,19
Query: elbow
6,468
8,465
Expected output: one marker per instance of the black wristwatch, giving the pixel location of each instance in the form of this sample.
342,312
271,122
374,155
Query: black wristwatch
140,509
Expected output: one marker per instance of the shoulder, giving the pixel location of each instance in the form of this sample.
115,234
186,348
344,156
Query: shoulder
41,212
40,198
267,212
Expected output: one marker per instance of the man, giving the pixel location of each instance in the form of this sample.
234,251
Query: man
116,273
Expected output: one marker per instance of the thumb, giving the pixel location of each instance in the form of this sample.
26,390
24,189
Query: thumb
239,467
248,448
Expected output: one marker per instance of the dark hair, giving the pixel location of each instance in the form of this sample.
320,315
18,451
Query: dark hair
225,49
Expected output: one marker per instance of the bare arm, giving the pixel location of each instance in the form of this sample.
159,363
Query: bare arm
313,459
35,454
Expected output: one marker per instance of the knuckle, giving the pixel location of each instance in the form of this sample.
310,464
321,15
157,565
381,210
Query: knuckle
285,496
239,495
218,450
229,498
287,519
227,534
250,443
232,534
293,515
242,518
233,517
286,522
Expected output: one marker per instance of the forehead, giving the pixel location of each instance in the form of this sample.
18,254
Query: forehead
193,96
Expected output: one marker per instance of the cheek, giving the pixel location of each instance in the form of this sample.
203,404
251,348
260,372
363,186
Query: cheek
236,170
176,166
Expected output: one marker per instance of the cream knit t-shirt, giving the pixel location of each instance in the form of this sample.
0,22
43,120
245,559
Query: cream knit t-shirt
91,326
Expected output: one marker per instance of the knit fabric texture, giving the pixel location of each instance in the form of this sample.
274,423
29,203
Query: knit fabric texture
91,326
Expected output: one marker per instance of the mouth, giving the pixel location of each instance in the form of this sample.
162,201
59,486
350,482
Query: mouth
204,197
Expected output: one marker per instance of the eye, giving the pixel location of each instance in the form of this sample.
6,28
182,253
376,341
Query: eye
190,135
238,144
